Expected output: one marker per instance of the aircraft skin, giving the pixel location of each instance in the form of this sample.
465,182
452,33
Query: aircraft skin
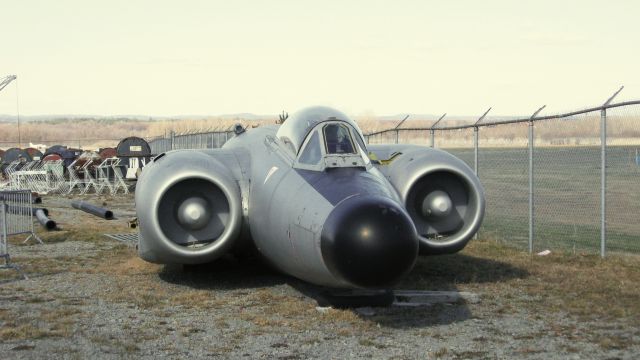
309,198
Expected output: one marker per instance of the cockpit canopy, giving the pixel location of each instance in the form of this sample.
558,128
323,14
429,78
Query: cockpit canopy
321,137
298,126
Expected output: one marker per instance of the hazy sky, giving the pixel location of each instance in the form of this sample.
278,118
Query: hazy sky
363,57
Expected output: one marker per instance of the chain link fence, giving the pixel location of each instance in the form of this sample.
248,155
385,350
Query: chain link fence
201,140
543,176
544,180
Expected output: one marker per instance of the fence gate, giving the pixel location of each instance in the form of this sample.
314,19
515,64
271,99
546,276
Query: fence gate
16,217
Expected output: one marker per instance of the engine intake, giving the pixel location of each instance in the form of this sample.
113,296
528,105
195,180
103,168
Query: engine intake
188,207
443,197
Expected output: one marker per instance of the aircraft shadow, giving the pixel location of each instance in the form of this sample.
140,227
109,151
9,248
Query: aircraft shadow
436,273
444,273
226,273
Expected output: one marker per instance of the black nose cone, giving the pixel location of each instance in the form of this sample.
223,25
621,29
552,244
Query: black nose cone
369,242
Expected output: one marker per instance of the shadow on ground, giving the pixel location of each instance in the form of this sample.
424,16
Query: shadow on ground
444,271
438,273
226,273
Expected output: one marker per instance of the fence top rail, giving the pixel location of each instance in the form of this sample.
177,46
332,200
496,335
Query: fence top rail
513,121
8,192
188,134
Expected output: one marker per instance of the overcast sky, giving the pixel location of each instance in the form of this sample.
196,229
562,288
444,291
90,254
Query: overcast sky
363,57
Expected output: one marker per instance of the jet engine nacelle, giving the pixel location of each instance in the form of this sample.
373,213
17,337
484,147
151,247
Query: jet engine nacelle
442,195
188,207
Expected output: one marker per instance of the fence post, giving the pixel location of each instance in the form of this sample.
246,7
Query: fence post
475,160
603,181
475,141
475,150
603,174
531,183
3,224
398,126
172,137
531,209
432,131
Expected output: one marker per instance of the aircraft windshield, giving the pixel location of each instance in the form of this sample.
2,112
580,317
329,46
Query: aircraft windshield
338,139
330,145
312,154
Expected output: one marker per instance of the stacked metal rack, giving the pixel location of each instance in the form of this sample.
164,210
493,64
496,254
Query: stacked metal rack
48,176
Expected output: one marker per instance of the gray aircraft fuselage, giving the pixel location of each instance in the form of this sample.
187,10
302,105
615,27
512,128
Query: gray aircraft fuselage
312,199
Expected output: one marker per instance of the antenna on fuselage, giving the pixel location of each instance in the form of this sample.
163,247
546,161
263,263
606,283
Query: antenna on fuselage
284,116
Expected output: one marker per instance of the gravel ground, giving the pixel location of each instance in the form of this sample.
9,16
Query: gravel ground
91,297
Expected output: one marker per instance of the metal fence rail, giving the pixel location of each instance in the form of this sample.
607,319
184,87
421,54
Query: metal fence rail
203,140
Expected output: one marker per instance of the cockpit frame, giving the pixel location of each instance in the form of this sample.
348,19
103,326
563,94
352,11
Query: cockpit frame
317,154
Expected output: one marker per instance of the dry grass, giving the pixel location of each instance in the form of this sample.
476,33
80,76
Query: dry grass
580,285
54,322
508,280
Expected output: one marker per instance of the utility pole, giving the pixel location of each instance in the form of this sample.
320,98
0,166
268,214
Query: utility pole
3,83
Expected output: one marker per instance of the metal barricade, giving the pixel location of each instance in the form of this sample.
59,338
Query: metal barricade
103,176
89,180
39,176
55,176
110,177
16,217
74,180
118,178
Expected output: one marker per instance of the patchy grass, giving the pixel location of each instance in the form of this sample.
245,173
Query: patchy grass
37,324
581,285
508,281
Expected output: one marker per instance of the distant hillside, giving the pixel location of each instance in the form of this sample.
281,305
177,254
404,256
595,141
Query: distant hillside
92,132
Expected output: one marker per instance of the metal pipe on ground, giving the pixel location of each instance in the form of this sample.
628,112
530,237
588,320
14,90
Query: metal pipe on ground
47,223
92,209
